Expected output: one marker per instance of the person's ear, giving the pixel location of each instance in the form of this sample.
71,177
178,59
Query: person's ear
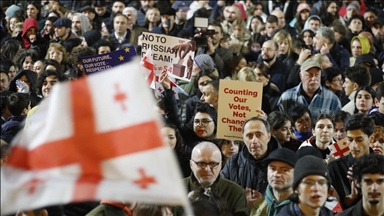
377,103
43,212
327,83
25,111
355,86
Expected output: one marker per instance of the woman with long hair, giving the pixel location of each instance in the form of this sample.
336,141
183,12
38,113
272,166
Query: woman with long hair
172,137
58,52
303,12
364,98
152,18
284,40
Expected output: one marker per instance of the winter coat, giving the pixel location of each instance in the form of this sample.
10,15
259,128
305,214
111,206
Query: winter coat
13,125
246,171
32,77
230,193
292,209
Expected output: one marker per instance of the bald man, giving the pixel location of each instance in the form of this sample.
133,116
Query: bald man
206,163
282,23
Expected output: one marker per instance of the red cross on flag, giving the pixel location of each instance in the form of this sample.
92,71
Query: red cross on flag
148,68
94,138
339,149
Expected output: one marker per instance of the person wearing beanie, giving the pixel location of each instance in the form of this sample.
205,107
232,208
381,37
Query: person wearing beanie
355,25
359,46
280,166
369,175
91,37
202,62
311,185
359,128
12,11
353,8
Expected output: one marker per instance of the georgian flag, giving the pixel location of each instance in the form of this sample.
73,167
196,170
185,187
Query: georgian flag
94,138
148,68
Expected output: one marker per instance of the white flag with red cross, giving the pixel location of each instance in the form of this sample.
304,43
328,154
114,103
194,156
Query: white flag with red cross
148,68
94,138
176,89
339,149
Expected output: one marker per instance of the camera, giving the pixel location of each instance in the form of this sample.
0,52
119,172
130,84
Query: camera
201,23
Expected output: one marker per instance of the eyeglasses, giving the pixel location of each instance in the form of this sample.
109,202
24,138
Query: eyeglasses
267,49
203,122
203,165
311,182
338,80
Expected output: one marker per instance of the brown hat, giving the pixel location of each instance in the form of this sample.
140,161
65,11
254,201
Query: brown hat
308,64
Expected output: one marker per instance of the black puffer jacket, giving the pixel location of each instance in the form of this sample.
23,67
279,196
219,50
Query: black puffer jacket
248,172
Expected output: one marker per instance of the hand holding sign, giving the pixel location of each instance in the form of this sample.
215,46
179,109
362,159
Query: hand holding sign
164,80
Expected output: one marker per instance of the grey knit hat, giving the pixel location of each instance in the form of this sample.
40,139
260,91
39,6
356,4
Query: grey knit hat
205,62
355,6
308,165
12,10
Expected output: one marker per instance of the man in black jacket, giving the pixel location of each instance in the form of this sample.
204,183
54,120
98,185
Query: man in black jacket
246,168
359,128
368,174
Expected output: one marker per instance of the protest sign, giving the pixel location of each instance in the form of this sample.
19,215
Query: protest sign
171,54
238,101
106,61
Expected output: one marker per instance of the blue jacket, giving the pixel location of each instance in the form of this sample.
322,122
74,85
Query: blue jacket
13,125
339,56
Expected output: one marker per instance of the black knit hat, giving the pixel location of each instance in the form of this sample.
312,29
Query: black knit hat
308,165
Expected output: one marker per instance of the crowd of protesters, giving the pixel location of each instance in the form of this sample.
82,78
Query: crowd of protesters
321,64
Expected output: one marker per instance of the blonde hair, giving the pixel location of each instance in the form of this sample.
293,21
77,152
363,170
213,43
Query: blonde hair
147,14
283,35
246,74
378,132
59,47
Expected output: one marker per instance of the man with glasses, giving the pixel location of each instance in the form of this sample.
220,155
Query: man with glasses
277,70
206,165
311,186
310,93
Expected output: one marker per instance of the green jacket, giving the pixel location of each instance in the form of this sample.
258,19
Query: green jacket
267,205
228,191
110,210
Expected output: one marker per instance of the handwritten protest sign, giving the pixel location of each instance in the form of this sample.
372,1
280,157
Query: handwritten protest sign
238,101
171,54
106,61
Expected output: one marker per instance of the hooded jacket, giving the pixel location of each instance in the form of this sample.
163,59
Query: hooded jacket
28,23
365,47
268,205
32,77
306,25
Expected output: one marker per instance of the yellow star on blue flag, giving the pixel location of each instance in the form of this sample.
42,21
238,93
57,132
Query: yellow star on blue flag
127,50
121,58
